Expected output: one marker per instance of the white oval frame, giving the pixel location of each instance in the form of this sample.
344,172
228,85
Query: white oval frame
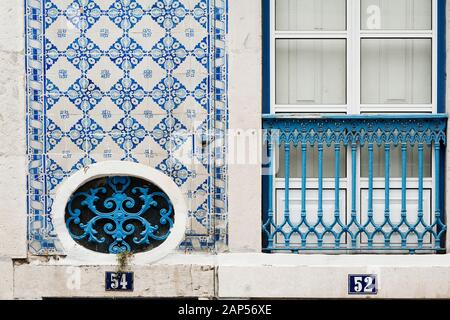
77,253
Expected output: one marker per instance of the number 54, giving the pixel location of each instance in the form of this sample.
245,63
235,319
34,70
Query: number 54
119,279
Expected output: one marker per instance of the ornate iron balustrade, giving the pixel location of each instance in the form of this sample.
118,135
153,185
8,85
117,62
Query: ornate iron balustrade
299,230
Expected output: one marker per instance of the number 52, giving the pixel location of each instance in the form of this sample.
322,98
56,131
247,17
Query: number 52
362,284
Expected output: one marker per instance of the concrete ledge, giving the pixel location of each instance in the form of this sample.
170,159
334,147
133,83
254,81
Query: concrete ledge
283,260
163,279
237,276
294,276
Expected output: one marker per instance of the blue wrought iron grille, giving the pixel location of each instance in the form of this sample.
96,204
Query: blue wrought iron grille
119,214
298,230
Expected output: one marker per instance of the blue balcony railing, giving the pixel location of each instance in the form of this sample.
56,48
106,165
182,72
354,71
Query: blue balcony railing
363,211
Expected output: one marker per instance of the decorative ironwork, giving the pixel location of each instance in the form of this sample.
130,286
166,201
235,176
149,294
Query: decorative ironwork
119,214
354,132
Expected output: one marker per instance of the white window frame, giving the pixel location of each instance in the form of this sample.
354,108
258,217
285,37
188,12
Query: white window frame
353,36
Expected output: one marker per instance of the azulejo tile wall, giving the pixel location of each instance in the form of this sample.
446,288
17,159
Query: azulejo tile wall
130,80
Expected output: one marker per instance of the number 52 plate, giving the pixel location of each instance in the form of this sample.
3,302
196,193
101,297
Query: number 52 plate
362,284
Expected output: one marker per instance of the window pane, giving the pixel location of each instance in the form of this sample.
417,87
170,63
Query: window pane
412,164
297,15
310,72
396,71
396,14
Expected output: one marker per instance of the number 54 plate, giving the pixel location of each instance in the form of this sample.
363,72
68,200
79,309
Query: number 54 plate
362,284
119,281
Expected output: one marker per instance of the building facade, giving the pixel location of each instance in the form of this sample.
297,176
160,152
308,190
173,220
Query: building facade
224,149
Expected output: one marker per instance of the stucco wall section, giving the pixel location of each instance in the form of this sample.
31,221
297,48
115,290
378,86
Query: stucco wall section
12,131
245,123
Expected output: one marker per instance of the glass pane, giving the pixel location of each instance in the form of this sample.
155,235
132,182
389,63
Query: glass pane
396,14
307,15
312,161
396,71
412,164
310,71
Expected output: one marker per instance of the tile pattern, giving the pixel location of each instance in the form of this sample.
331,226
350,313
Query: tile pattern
131,80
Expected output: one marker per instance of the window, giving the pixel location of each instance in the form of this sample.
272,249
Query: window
369,61
353,57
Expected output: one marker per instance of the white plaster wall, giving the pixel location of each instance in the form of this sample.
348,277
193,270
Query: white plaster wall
13,221
245,87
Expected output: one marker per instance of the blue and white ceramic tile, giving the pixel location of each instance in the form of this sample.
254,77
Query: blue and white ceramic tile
131,80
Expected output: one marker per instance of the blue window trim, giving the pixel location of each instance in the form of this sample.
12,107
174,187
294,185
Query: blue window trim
441,56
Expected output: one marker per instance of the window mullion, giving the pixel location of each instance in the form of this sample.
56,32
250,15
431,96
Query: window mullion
355,61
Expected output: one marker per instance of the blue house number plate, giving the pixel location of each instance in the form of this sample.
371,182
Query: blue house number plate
119,281
362,284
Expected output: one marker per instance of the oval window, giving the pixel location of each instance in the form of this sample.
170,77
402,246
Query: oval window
118,214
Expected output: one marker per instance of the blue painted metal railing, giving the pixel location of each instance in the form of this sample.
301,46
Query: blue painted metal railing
354,132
